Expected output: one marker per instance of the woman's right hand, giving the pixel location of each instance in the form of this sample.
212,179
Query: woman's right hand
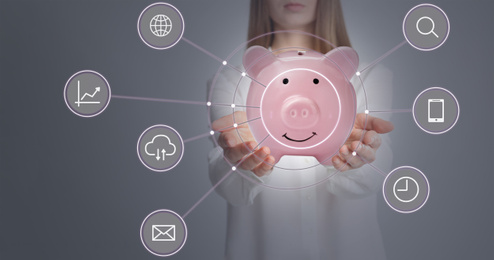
237,145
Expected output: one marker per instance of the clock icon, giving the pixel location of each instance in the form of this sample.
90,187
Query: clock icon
406,189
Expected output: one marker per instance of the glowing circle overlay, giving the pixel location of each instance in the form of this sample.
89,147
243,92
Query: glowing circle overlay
242,75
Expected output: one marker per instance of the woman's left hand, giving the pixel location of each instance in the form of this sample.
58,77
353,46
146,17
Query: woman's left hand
366,151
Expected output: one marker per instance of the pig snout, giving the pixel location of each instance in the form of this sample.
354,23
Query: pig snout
298,112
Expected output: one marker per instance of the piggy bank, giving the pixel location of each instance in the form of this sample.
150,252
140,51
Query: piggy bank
301,102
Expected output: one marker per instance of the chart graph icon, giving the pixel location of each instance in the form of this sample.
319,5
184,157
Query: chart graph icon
87,93
79,101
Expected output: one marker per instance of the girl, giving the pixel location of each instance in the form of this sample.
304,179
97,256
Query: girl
333,220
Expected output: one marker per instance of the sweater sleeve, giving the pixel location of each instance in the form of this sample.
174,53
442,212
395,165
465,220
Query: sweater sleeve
239,187
368,179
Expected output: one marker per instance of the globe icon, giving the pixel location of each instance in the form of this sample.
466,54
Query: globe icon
160,25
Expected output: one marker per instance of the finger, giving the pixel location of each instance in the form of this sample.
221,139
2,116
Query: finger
253,160
234,137
340,164
353,161
226,122
265,168
365,153
229,139
355,135
236,153
372,139
367,122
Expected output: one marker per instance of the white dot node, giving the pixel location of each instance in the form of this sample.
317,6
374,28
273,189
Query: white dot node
208,104
366,112
354,153
358,73
234,168
244,74
235,125
233,105
212,132
224,62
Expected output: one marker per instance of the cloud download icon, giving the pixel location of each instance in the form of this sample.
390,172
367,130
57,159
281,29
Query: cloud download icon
160,148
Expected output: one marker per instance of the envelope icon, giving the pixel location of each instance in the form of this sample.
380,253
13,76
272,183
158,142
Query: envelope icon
163,233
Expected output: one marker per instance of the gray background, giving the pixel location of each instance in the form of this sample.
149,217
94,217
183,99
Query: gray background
73,188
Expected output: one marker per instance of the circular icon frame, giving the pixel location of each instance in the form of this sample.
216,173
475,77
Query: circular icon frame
177,219
417,117
417,40
160,42
68,92
400,205
160,154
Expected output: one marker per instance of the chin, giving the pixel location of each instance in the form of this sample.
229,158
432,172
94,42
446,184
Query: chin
296,22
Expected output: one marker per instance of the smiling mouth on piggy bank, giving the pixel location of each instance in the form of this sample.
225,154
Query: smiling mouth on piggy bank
299,140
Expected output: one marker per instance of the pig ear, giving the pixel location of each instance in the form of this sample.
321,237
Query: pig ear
346,58
257,58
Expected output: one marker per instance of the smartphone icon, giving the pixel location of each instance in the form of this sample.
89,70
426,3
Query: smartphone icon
436,111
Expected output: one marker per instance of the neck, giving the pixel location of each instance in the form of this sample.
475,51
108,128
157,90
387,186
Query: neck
287,40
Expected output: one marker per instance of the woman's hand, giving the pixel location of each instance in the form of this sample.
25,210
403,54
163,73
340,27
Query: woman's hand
238,145
366,151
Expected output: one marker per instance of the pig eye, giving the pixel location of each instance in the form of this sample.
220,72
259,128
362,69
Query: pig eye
285,81
316,81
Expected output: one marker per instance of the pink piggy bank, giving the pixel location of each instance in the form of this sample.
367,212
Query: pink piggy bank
301,102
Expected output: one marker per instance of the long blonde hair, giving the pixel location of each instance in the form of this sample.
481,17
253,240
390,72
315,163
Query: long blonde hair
329,25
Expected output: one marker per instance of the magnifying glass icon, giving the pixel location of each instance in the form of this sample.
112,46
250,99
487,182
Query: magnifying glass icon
432,29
